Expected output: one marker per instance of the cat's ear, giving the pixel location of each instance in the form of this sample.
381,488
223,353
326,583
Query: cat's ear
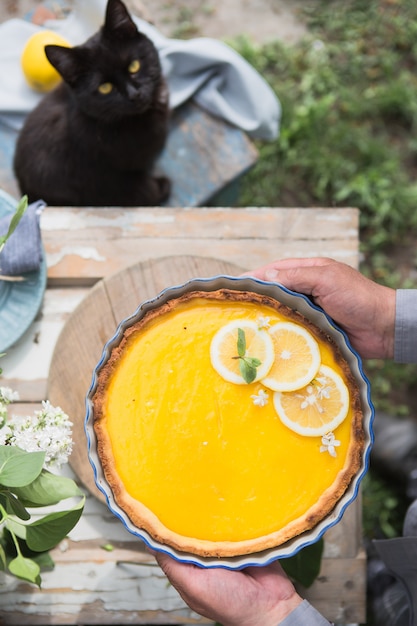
66,61
118,23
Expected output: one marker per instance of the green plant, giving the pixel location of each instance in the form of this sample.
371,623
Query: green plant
20,209
384,508
28,447
349,100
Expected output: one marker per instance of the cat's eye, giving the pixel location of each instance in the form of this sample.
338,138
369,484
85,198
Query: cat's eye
134,66
105,88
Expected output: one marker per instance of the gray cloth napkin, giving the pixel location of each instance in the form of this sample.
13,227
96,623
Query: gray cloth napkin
400,557
22,252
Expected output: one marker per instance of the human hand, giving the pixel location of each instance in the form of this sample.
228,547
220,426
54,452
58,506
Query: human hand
255,596
364,309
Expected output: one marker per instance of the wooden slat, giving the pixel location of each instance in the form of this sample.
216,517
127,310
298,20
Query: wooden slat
341,602
203,154
84,245
90,585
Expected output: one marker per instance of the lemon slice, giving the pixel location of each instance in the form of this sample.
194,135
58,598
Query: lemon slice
316,409
297,357
224,351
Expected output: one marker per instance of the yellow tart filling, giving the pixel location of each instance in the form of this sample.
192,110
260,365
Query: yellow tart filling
211,460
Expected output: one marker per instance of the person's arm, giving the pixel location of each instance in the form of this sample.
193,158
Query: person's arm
304,614
405,346
364,309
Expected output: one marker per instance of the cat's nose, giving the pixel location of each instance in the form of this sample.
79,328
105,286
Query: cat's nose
132,93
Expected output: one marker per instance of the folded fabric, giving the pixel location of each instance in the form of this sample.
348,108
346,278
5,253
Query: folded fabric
400,557
205,69
22,252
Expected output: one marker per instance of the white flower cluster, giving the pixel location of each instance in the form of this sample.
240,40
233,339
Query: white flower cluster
7,396
48,430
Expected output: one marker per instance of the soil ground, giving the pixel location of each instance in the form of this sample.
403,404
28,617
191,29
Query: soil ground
261,20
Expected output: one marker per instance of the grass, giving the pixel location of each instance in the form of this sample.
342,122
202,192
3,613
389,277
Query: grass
349,138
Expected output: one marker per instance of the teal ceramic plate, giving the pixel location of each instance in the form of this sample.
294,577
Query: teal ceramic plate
19,301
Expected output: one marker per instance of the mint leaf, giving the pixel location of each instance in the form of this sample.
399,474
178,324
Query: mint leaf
241,342
247,370
247,364
253,361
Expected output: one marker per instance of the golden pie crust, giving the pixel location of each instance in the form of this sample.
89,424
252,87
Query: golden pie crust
144,518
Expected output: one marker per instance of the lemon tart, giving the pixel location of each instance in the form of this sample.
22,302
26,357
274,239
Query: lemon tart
226,423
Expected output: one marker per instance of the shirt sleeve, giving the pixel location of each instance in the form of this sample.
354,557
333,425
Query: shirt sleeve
305,614
405,341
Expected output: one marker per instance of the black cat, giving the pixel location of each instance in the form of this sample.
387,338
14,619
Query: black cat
94,139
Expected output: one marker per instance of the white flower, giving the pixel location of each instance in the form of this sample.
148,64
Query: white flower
261,398
316,392
5,434
310,399
7,395
48,430
263,322
329,443
324,392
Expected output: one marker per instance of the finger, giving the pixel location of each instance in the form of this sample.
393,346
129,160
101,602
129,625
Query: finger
271,270
292,263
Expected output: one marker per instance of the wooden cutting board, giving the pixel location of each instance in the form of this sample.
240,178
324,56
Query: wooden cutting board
94,322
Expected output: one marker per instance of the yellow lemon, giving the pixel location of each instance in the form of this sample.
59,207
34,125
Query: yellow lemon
316,409
241,352
38,71
297,357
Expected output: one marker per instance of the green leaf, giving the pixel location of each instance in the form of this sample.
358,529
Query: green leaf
3,559
25,569
47,489
19,468
44,560
14,506
108,547
16,527
247,371
241,342
304,567
46,533
253,361
8,550
20,209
